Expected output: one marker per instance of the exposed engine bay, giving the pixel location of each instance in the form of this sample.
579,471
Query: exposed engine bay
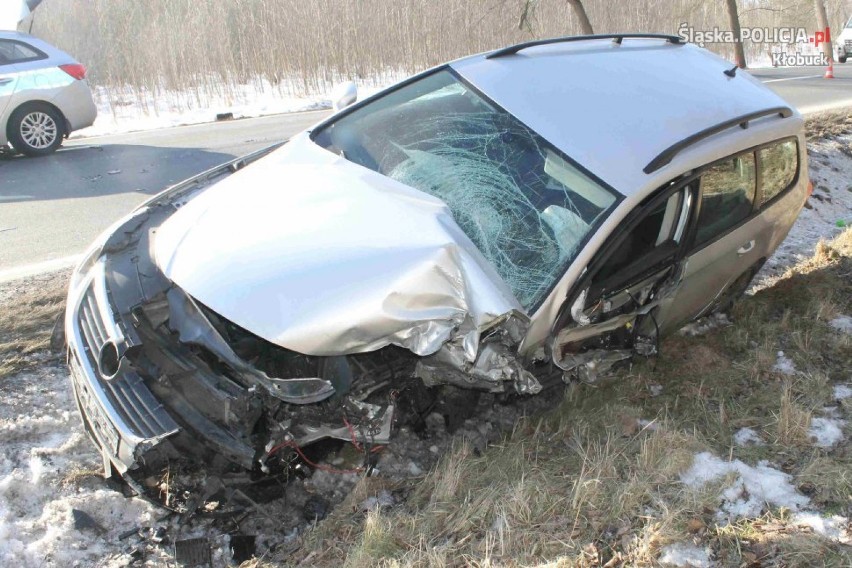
197,392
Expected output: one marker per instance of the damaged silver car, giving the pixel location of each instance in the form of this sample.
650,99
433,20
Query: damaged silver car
503,223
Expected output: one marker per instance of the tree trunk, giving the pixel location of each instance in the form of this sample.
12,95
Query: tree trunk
822,22
580,12
739,48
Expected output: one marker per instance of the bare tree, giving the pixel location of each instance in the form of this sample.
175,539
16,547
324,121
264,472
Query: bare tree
822,22
525,21
582,17
734,18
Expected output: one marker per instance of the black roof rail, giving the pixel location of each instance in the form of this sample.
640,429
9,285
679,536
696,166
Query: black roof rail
616,38
666,156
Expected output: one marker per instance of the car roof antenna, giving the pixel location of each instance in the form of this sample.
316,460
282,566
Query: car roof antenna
731,72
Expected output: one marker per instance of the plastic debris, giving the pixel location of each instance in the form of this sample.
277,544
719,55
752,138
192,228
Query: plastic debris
192,552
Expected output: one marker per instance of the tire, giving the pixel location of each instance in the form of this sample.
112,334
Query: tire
36,129
842,58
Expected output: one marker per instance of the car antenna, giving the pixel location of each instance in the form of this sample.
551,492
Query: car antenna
731,72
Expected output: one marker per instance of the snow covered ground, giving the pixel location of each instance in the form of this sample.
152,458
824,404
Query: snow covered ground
47,469
128,110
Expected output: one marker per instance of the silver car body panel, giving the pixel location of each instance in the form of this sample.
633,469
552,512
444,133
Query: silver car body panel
8,83
386,264
42,80
326,258
613,108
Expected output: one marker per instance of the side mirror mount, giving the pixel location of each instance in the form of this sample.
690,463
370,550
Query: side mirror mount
343,95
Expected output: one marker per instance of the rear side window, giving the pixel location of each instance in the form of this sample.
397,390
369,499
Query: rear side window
727,196
17,52
778,166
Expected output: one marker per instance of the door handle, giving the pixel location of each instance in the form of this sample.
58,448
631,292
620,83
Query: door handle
746,248
5,80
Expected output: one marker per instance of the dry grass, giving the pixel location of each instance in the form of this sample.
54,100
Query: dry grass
793,420
588,485
828,124
27,322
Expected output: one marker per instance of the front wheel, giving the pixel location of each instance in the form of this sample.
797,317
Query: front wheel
36,130
842,58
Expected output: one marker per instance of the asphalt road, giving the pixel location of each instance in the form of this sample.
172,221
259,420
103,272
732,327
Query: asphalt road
806,88
51,208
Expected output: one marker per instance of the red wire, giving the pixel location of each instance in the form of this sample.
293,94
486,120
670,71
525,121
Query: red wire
302,455
329,469
352,434
355,442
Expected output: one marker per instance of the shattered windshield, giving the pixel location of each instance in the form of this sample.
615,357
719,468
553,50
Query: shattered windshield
526,207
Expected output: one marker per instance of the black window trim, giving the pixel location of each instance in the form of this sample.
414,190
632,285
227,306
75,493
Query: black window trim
690,243
640,268
666,156
686,248
759,164
613,241
619,197
691,246
40,55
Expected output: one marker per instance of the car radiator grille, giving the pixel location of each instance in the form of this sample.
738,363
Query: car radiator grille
131,399
848,45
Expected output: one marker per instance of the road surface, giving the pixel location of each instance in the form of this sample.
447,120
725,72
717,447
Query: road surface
51,208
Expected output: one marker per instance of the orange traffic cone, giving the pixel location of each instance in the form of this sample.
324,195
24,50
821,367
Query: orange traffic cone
829,73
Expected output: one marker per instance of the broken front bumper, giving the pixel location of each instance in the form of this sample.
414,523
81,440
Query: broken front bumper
119,412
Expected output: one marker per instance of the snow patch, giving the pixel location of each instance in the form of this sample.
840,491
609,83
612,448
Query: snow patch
842,391
835,527
842,323
784,365
705,325
826,432
751,491
747,437
42,445
683,554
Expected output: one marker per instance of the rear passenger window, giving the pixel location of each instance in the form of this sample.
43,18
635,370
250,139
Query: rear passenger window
15,52
778,166
727,196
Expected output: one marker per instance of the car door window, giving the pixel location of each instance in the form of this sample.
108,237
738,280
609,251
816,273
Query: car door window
659,229
727,196
778,166
17,52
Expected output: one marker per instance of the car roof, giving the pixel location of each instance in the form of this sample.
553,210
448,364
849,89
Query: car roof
12,34
615,107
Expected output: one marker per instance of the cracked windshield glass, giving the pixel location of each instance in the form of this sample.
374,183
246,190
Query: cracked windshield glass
524,205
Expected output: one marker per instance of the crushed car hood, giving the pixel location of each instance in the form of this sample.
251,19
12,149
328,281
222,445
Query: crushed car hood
324,257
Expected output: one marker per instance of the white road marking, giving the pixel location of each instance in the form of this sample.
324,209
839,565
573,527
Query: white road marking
792,78
38,268
15,197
